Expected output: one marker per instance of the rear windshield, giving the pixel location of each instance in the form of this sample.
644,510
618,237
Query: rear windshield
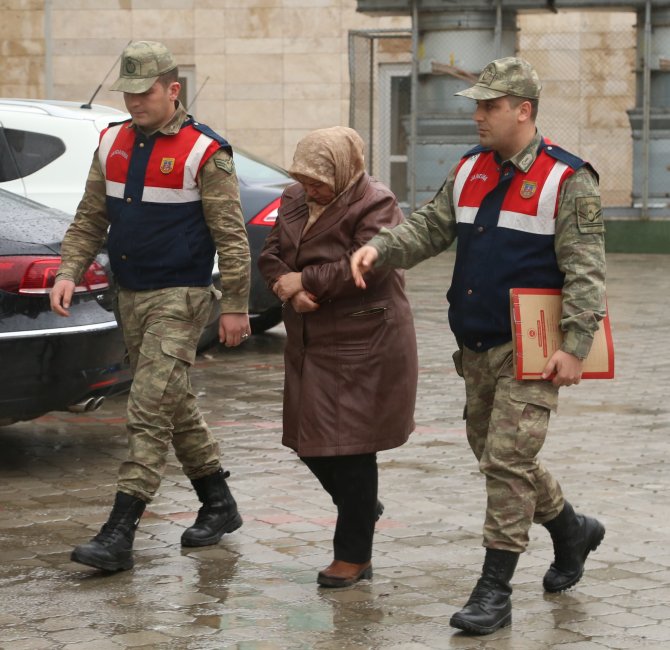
253,170
24,152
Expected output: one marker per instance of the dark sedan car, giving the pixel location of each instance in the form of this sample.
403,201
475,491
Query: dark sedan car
49,362
261,187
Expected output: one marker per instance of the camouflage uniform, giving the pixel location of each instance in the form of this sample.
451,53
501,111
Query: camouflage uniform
162,327
507,419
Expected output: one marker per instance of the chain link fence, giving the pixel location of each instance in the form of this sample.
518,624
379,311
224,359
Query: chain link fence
362,85
379,71
586,61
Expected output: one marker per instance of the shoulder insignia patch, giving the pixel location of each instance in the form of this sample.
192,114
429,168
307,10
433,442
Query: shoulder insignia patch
227,165
589,214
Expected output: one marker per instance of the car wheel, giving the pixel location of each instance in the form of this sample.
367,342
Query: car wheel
265,320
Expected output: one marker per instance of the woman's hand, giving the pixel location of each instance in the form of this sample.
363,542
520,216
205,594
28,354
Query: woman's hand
303,302
287,286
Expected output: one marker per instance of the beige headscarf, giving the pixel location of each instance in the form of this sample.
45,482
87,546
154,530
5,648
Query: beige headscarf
333,156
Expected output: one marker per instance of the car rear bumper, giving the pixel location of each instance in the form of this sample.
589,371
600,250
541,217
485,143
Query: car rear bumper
46,371
60,331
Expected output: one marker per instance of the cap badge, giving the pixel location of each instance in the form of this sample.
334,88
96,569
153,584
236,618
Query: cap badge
488,75
167,165
130,66
528,189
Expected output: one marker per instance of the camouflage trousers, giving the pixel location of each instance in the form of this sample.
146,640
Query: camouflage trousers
506,425
161,329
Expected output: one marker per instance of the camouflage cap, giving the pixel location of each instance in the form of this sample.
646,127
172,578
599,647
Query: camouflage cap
508,76
142,62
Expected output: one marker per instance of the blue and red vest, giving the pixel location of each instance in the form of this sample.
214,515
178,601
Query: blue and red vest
506,220
157,236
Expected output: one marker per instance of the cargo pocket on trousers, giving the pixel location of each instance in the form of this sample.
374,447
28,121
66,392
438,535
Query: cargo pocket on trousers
533,402
178,350
540,393
161,378
176,386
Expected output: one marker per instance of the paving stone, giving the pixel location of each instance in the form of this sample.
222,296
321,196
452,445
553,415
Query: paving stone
138,639
98,644
256,590
76,636
32,643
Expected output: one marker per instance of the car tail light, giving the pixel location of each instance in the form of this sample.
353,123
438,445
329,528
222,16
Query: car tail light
267,216
30,275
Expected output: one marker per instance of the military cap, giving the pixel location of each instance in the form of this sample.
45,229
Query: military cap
508,76
142,62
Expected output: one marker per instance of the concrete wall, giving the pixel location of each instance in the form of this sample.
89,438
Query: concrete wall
279,68
22,48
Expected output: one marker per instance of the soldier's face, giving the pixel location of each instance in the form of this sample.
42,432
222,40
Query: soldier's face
499,125
152,109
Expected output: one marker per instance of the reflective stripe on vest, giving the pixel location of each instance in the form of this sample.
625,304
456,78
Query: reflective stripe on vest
172,169
531,201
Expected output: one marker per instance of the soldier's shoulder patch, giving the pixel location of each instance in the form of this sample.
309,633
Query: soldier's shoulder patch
589,214
226,164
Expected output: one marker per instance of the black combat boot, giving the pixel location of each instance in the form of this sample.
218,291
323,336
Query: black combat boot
489,606
112,548
218,514
574,537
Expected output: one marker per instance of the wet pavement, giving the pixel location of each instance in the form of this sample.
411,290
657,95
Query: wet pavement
609,446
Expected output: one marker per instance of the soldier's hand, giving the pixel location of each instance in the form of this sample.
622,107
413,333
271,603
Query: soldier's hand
61,297
233,329
565,368
361,262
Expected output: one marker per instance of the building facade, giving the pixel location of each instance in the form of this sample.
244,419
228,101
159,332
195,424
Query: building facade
266,72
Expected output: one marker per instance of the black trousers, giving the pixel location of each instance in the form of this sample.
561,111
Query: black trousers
351,481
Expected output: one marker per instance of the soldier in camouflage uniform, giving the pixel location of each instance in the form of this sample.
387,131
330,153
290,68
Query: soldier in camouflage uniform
165,188
526,214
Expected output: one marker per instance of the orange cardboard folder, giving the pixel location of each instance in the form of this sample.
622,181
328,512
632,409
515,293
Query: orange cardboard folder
536,335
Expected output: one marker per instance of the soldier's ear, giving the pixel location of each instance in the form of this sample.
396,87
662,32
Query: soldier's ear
525,110
173,90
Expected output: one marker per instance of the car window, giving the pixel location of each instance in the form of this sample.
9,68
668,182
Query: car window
254,171
24,152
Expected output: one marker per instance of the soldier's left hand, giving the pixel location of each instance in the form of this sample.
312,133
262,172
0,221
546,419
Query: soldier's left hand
564,369
234,329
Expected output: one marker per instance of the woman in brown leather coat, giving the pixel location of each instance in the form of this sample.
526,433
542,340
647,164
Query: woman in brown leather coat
350,358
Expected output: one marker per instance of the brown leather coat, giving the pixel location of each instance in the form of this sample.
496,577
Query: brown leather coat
351,365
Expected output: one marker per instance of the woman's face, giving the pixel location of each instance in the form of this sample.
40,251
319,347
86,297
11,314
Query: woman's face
317,191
